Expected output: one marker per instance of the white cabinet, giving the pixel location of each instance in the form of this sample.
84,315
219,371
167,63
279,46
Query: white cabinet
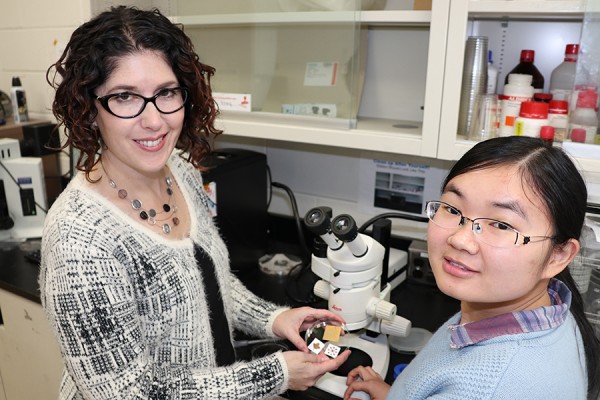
389,79
544,25
30,362
2,394
392,59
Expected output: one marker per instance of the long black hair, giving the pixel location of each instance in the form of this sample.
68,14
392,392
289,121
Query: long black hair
551,174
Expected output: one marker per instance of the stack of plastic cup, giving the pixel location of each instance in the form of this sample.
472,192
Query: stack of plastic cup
474,81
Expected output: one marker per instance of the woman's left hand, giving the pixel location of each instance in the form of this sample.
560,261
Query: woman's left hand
290,323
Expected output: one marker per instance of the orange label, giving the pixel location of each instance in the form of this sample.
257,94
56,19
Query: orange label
332,332
510,120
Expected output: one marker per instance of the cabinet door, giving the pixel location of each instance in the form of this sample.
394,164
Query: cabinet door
30,362
2,393
542,25
389,67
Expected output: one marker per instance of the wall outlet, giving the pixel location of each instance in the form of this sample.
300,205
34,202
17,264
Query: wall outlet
9,149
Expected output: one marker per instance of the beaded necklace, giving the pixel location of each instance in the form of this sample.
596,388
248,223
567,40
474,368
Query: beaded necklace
151,215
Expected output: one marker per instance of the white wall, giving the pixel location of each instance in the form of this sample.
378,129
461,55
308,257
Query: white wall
33,32
39,29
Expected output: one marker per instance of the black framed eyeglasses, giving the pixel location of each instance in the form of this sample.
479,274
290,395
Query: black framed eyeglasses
130,105
489,231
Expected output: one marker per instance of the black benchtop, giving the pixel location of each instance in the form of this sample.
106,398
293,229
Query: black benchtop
17,274
424,305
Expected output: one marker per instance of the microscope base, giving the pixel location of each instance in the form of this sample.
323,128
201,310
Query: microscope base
377,349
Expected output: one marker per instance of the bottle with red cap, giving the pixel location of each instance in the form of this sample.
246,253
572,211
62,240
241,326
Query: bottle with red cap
578,135
558,118
584,115
533,115
527,67
547,135
562,78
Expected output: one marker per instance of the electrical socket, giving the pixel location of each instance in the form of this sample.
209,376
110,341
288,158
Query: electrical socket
9,149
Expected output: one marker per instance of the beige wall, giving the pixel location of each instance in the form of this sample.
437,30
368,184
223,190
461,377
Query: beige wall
33,33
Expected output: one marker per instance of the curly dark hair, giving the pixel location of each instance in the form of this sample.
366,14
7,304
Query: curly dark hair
92,55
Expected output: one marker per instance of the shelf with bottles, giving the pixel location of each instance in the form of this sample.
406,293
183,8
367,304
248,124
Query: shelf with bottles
510,26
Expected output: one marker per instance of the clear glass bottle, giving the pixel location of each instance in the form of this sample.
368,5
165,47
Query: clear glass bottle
527,67
562,78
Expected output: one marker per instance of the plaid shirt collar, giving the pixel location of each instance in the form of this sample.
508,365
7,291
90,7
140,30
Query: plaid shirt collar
539,319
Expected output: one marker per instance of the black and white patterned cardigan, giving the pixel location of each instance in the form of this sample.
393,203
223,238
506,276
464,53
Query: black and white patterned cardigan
128,308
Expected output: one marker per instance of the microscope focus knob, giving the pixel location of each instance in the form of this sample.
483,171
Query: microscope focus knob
385,310
321,289
397,327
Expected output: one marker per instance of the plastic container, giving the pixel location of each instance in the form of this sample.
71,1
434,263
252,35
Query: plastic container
532,116
584,115
485,118
492,82
578,135
517,91
527,67
19,101
558,118
562,78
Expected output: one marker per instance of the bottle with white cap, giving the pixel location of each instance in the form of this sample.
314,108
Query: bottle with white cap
517,91
492,71
19,101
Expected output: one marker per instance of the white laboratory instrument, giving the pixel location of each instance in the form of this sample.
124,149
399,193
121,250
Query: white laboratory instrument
350,269
23,196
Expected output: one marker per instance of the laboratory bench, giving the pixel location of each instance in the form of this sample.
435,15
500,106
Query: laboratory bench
423,304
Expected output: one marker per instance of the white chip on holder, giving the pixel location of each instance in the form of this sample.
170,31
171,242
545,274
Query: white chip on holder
316,346
332,350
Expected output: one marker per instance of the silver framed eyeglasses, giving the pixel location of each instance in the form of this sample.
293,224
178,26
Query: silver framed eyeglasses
489,231
130,105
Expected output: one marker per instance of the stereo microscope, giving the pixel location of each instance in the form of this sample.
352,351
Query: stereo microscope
349,264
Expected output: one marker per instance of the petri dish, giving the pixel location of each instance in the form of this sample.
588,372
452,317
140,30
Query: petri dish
325,337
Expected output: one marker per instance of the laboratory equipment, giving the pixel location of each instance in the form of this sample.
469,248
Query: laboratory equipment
24,191
350,266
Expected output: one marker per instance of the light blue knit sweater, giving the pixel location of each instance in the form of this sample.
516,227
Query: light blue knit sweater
540,365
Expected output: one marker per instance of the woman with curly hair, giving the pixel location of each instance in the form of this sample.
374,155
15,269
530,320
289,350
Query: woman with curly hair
135,279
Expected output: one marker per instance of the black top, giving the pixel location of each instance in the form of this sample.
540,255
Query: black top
218,322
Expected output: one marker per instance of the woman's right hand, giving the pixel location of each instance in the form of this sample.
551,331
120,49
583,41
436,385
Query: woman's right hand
365,379
306,368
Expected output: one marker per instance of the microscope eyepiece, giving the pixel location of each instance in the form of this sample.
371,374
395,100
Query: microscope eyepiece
317,220
344,227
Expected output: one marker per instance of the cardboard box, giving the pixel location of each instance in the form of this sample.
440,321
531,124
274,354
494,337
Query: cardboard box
422,4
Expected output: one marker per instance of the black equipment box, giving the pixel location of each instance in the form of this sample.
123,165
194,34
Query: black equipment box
239,178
